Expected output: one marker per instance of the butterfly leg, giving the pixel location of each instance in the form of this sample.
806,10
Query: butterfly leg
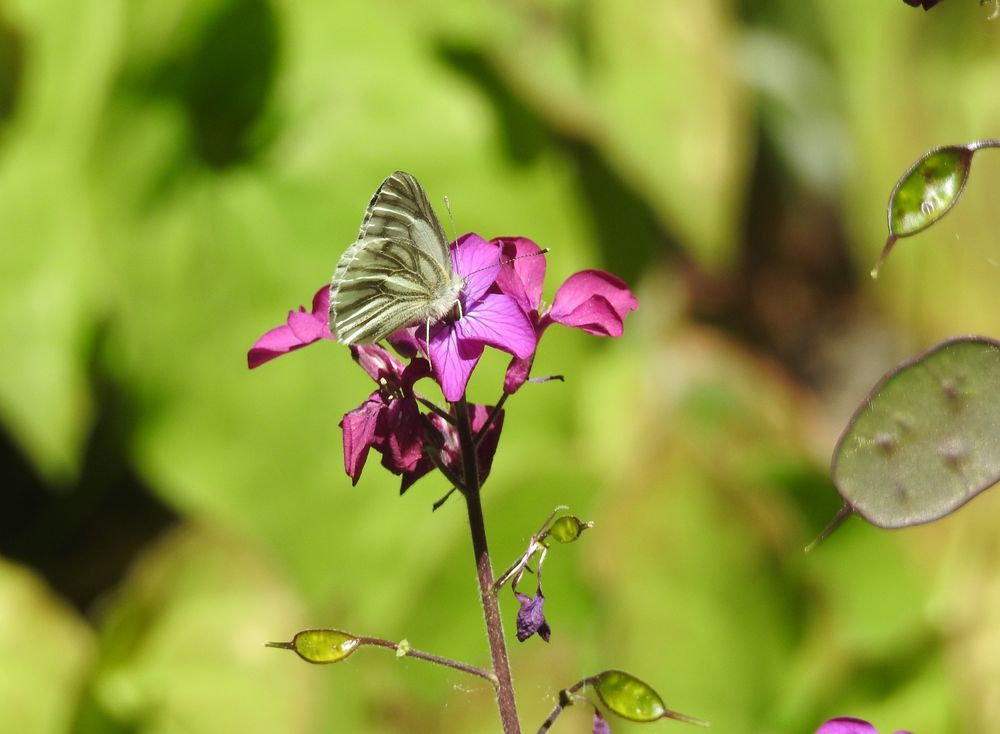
427,343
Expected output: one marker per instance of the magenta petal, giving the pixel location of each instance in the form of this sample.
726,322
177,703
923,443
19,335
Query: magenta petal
594,316
359,434
846,725
453,360
425,466
521,278
478,262
307,328
405,341
497,320
300,329
321,305
376,361
487,445
517,374
279,340
585,286
404,444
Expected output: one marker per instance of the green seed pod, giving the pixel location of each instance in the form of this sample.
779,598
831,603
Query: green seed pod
925,440
626,696
929,189
567,529
321,646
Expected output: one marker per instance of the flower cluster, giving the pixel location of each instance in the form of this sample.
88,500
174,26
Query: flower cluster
500,306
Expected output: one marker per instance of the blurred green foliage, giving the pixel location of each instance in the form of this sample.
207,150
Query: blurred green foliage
175,176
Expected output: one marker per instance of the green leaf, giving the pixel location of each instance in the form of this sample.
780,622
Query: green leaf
47,650
924,442
177,644
321,646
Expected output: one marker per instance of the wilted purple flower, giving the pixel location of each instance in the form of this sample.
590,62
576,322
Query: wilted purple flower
301,329
600,725
926,4
848,725
389,420
530,618
592,300
446,444
488,318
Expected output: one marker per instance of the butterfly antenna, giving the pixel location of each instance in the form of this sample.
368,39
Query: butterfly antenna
451,218
509,260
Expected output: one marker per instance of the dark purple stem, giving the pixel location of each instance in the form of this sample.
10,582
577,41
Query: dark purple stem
484,572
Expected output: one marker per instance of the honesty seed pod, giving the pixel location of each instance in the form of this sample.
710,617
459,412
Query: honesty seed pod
566,529
925,441
321,646
928,190
628,697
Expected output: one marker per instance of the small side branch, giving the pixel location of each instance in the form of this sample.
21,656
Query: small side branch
405,650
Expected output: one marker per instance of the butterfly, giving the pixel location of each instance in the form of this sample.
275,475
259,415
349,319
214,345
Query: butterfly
398,273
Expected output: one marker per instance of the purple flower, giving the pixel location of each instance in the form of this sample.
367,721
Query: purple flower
488,318
848,725
926,4
389,420
592,300
530,618
301,329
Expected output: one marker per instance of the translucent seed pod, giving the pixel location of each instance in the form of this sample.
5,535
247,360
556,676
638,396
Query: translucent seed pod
628,697
567,529
926,192
321,646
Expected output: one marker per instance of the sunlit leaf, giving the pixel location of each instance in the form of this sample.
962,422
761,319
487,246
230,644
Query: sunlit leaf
47,651
925,441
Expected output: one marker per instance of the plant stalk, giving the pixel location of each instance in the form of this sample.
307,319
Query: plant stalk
484,572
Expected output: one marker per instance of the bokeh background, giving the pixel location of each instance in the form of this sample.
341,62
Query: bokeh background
174,176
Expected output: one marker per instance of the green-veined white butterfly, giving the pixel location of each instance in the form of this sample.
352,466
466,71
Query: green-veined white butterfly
398,273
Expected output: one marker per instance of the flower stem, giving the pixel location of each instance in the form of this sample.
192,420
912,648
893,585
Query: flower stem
484,572
566,697
430,658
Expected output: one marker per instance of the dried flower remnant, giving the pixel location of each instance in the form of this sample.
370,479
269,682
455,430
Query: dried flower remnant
530,618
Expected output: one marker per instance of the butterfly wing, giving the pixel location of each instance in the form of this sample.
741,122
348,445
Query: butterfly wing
383,284
400,210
